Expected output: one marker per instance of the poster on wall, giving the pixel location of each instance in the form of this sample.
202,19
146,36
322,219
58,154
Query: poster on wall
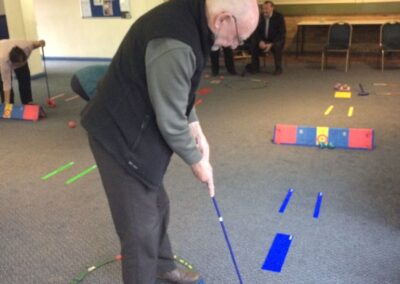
105,8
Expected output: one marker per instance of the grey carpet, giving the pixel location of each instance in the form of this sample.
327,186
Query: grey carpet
50,231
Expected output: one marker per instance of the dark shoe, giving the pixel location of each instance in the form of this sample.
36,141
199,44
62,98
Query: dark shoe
277,72
232,72
180,276
249,68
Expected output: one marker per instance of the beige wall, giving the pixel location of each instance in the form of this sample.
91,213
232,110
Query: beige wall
21,25
68,35
2,12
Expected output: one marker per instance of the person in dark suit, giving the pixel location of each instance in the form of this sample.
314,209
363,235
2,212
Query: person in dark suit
228,58
268,37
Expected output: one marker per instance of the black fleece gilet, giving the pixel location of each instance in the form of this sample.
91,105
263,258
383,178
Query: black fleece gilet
121,116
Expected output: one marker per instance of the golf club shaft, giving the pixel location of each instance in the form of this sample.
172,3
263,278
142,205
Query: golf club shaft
45,73
227,239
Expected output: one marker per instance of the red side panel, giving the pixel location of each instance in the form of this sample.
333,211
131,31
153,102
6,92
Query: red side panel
31,112
361,138
285,134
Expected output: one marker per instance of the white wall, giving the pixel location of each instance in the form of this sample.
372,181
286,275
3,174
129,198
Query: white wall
60,23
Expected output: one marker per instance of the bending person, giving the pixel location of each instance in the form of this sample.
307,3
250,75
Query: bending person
14,56
143,112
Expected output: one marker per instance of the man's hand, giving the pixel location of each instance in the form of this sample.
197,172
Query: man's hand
202,170
40,43
268,47
264,46
204,173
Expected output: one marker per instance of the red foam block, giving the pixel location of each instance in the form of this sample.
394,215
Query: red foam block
361,138
285,134
31,112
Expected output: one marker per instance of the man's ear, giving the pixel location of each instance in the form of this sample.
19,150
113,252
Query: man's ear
221,17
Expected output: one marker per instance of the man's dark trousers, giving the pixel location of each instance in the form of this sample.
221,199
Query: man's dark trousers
140,218
228,58
23,75
276,50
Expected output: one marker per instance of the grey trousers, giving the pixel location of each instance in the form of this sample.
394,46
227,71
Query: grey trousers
140,218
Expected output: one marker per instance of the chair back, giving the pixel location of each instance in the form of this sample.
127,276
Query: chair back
390,35
339,36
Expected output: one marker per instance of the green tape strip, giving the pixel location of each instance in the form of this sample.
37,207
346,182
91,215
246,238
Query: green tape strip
78,176
59,170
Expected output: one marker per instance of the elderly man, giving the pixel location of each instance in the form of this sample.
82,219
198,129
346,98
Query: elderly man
143,113
269,36
14,56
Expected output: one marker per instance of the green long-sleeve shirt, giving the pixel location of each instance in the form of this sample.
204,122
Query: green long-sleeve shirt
170,65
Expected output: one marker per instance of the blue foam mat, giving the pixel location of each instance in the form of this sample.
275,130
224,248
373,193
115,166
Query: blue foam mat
277,253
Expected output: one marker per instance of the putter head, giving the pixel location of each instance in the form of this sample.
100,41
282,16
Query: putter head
363,93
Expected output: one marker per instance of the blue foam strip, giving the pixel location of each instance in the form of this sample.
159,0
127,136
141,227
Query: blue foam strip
286,201
277,253
318,205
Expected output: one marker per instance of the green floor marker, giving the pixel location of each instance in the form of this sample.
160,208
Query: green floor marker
78,176
59,170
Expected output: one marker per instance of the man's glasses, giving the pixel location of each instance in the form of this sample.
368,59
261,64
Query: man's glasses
240,41
214,37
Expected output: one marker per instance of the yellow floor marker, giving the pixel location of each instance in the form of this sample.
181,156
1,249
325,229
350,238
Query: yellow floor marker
343,95
350,112
328,110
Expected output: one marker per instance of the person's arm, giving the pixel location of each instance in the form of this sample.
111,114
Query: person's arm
5,70
193,115
170,65
281,26
262,43
39,43
7,96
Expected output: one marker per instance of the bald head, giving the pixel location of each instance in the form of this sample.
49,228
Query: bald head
232,21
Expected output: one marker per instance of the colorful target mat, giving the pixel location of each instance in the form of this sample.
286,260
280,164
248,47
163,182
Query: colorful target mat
345,138
22,112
